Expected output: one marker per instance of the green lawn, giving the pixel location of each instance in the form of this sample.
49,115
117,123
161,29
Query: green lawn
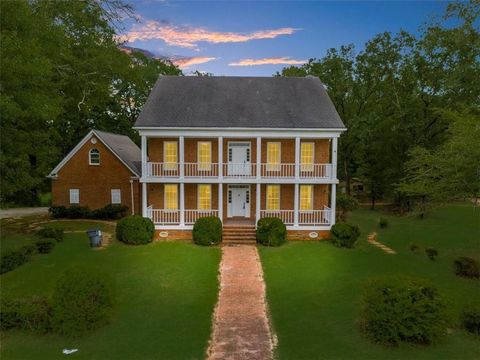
314,289
166,293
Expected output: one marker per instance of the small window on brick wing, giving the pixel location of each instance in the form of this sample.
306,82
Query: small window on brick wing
94,157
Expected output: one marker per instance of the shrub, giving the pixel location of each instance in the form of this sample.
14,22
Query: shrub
135,229
414,247
12,259
207,231
82,301
58,211
470,318
383,222
271,231
51,233
399,309
111,211
345,235
45,246
345,203
467,267
431,253
78,212
26,314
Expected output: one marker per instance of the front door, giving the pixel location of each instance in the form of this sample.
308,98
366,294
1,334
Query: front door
238,200
239,158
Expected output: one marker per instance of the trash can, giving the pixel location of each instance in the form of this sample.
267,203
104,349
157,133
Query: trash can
95,237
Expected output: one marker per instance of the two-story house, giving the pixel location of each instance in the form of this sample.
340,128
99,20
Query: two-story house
240,148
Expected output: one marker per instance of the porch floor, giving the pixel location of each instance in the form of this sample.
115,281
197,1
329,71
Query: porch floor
239,221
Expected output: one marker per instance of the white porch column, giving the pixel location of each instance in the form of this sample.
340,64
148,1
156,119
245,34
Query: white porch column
295,206
181,145
334,158
297,157
259,157
144,199
182,204
257,204
333,200
144,156
220,158
220,201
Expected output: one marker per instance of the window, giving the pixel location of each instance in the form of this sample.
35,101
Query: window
116,196
273,197
204,155
306,155
171,196
74,196
170,155
204,197
306,197
273,156
94,157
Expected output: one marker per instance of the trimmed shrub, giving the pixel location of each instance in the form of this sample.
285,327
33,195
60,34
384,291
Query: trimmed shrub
466,267
111,211
383,222
207,231
58,212
414,247
12,259
26,314
400,309
82,301
51,233
431,253
45,246
345,235
271,231
470,318
135,229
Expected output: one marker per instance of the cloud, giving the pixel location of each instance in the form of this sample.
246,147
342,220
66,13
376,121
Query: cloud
268,61
186,62
189,37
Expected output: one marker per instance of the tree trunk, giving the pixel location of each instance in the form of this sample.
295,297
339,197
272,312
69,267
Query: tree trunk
347,176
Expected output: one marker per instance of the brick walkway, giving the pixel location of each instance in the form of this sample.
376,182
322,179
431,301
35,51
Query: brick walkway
241,329
372,239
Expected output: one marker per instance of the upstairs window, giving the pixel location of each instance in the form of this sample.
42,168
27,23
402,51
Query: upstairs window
171,196
94,157
74,196
204,155
273,156
306,155
306,197
170,155
273,197
204,197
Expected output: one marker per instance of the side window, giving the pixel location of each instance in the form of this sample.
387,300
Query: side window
116,196
94,157
74,196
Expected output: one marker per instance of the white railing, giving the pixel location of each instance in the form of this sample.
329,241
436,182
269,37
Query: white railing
287,216
193,215
164,217
201,170
242,170
323,171
277,170
163,169
314,217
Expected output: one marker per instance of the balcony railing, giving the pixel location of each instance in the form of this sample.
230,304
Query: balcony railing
240,171
312,217
172,217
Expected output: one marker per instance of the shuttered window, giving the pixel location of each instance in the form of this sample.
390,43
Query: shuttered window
273,197
306,197
74,196
306,155
273,156
170,155
171,196
204,155
204,197
116,196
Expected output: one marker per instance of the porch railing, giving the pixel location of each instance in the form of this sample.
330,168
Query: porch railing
312,217
193,215
172,217
287,216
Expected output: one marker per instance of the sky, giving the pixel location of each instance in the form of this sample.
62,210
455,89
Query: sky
247,38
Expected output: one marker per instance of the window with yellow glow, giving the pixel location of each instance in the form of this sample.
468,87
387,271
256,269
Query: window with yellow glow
306,155
171,196
273,197
306,197
204,197
170,155
273,156
204,155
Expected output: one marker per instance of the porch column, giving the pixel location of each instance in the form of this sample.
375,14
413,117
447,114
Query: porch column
259,157
297,157
220,201
334,158
220,158
257,204
333,199
144,199
144,156
295,206
181,145
182,204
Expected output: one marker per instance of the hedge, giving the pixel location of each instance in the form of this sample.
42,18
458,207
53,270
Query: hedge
271,231
111,211
51,233
45,246
207,231
26,314
135,229
12,259
466,267
470,318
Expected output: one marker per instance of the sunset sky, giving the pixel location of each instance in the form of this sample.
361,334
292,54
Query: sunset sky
260,38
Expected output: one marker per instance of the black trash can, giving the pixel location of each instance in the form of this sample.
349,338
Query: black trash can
95,236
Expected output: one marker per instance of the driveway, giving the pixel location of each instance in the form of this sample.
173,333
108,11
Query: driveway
21,212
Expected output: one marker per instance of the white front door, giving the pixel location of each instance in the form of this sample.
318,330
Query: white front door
238,200
239,158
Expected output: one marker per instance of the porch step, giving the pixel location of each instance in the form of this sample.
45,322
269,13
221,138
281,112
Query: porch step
238,234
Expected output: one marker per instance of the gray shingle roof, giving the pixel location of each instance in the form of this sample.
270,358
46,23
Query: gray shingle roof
244,102
124,148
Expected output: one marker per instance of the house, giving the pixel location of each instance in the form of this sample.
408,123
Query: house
240,148
103,168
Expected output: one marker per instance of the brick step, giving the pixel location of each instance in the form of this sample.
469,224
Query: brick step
251,232
239,242
238,237
225,228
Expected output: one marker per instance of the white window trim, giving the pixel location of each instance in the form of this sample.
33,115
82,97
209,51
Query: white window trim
313,157
71,191
279,197
312,198
165,197
198,197
119,192
90,157
275,167
208,166
165,162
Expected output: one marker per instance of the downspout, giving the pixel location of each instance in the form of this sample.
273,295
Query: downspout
131,196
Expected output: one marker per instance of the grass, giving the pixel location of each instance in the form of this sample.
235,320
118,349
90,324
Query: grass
166,293
314,289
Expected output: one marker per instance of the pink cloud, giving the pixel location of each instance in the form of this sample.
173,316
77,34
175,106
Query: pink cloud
183,63
268,61
188,37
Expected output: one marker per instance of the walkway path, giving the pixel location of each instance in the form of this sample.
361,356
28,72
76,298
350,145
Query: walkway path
241,329
372,239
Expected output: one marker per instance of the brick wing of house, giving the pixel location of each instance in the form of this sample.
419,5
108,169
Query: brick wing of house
240,148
